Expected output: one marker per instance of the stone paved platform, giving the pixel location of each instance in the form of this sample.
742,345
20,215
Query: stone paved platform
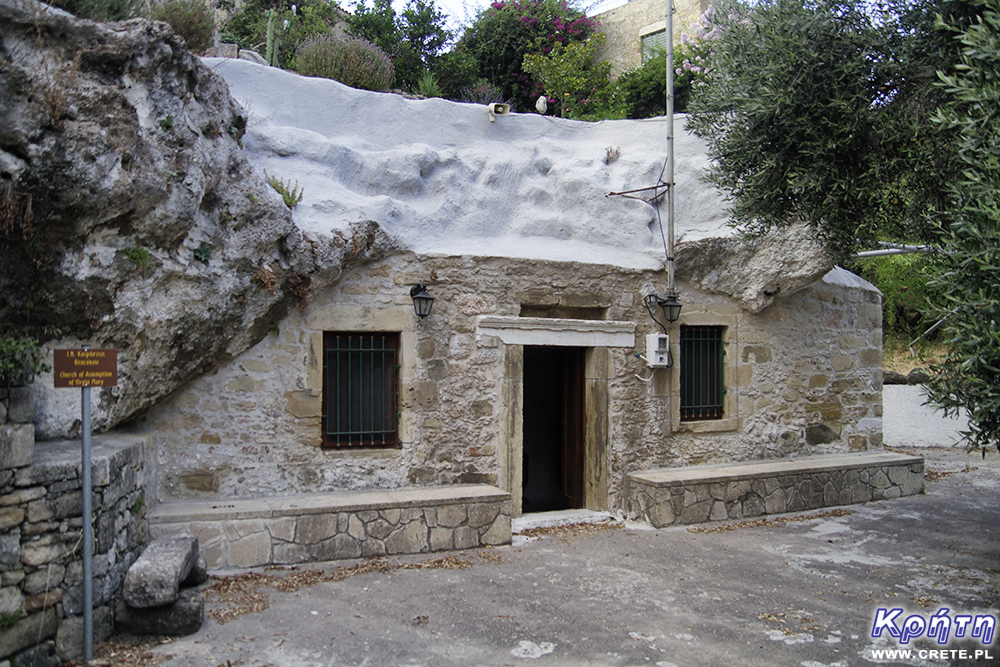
330,526
698,494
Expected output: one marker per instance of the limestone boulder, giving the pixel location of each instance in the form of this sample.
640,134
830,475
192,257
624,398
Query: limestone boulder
182,617
755,271
154,580
132,216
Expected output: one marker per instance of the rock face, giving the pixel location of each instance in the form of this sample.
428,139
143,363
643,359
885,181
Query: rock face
136,220
755,271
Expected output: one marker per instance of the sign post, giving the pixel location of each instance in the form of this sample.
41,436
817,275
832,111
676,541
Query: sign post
86,368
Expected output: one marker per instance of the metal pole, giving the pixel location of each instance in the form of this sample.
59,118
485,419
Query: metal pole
670,146
88,533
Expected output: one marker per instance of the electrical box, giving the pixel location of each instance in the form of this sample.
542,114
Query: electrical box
658,350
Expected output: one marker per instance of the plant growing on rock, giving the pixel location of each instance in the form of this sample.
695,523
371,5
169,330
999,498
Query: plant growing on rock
349,60
20,360
192,20
138,256
15,212
290,194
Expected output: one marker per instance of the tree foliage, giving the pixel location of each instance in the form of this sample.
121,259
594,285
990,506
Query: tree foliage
311,18
571,75
413,39
503,33
970,280
816,110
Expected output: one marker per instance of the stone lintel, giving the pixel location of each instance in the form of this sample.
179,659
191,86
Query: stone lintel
556,331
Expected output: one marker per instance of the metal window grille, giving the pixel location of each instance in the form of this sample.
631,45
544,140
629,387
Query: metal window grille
701,373
653,44
360,389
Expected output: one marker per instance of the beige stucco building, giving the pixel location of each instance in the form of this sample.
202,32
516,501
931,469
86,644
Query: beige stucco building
639,25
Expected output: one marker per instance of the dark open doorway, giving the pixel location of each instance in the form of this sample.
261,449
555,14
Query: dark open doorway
553,435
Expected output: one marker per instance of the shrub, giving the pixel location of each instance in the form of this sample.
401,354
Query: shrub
484,92
427,85
455,71
248,28
100,10
20,360
350,60
190,19
506,30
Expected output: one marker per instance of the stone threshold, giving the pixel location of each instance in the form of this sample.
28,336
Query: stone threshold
698,494
305,528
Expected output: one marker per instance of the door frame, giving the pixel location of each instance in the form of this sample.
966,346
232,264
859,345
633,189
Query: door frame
598,337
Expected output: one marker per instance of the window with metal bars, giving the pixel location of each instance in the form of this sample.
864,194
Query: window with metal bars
360,389
701,373
653,44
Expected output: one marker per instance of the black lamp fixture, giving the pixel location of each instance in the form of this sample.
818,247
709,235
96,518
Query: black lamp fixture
667,303
422,301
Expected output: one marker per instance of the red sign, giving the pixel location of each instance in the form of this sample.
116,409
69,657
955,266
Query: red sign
85,368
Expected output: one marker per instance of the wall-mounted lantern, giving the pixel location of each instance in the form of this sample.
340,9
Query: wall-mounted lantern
422,301
667,304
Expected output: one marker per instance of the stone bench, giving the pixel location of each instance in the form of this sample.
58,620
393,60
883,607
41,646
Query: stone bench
330,526
697,494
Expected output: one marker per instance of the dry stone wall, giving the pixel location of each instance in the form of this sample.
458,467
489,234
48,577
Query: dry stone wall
41,518
805,379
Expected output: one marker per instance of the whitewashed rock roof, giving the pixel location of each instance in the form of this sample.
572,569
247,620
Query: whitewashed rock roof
443,179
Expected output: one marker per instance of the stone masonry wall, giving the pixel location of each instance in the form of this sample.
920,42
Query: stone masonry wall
41,505
804,378
716,493
294,529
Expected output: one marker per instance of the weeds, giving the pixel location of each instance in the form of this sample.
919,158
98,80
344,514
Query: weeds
291,195
265,278
612,154
15,212
138,256
203,253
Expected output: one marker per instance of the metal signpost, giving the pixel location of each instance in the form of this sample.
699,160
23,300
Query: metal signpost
86,368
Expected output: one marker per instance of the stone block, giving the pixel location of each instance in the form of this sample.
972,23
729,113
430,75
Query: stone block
898,474
775,502
154,579
380,529
40,655
315,528
410,539
338,547
736,490
466,538
40,510
69,638
286,553
718,512
497,534
355,528
41,601
373,548
21,405
696,513
48,549
44,579
250,551
391,515
183,617
10,517
10,600
880,480
17,445
29,630
913,485
441,539
451,516
482,514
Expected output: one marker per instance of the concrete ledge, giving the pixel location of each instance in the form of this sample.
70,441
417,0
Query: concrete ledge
331,526
698,494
